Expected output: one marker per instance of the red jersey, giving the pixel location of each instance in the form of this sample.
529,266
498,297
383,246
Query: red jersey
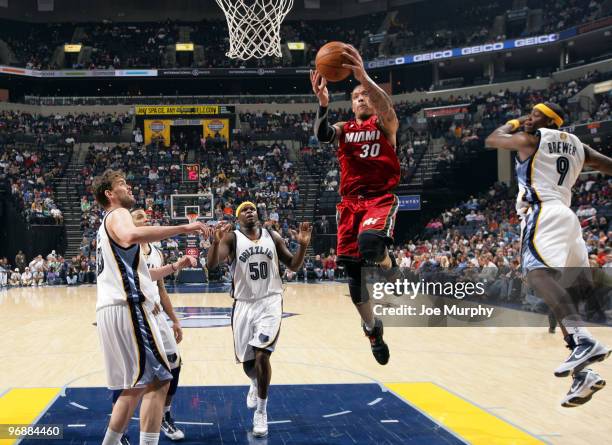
368,162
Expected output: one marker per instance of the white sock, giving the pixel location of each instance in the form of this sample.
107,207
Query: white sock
111,437
261,404
167,409
149,438
254,383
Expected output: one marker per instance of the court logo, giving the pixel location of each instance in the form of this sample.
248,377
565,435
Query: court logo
208,317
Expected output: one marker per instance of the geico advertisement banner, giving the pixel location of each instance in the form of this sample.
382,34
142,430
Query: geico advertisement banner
472,50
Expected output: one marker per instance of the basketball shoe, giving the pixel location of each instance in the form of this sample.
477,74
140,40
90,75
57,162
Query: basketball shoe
251,399
585,350
586,383
169,428
380,350
125,440
260,424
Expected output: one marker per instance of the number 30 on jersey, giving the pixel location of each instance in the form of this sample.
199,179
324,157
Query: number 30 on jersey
370,151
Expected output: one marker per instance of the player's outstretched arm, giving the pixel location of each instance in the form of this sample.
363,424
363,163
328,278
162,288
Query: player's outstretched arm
380,100
293,262
123,231
323,131
222,246
159,273
596,160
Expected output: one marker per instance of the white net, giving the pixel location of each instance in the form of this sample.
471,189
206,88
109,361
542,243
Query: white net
254,27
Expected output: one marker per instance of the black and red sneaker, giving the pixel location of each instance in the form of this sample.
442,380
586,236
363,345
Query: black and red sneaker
380,350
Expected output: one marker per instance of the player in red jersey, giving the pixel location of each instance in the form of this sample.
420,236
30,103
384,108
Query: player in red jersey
370,171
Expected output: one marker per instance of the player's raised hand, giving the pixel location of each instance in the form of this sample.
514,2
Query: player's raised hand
319,87
186,261
303,235
221,229
355,63
208,231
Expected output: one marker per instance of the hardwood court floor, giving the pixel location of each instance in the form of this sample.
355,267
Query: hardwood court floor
48,340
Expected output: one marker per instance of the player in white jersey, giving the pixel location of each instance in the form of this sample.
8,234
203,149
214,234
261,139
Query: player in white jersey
548,164
254,253
171,335
132,347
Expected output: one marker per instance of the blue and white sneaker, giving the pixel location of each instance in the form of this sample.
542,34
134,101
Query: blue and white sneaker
585,350
586,383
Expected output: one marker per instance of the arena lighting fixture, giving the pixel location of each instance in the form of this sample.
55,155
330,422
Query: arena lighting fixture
72,47
184,46
296,46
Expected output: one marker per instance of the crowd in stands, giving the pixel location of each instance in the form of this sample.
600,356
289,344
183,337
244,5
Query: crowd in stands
30,162
53,269
413,28
243,171
29,173
125,45
561,14
68,128
33,44
416,28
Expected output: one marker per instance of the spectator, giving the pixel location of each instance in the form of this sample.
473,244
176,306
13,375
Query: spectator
72,275
15,279
318,267
26,278
329,268
20,261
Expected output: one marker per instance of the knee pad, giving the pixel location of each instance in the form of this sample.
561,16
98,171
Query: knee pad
175,380
359,294
372,246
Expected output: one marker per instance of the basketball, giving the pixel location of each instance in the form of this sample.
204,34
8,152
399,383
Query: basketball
329,62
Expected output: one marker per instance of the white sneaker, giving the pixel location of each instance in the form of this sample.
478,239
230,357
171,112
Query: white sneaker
169,428
260,424
585,384
252,397
585,350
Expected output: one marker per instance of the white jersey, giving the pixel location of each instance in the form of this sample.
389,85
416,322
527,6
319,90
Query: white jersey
123,275
255,270
154,259
551,172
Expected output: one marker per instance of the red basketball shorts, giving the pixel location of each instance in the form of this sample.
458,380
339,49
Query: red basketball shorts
355,215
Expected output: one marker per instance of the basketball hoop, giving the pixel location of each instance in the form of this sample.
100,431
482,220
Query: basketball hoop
254,27
192,217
